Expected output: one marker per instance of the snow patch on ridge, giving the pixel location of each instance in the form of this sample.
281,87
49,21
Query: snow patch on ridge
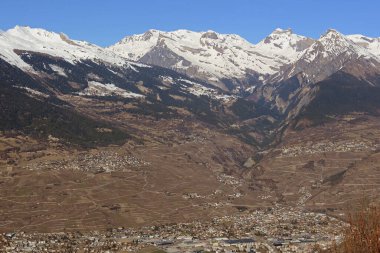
200,90
109,89
57,69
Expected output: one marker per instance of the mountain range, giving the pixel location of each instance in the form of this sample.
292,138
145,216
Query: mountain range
298,116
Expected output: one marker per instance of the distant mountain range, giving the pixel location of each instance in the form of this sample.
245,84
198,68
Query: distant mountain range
225,60
230,61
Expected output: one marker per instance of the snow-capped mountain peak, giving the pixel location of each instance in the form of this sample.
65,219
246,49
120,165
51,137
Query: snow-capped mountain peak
281,31
334,43
331,32
21,38
26,32
284,43
330,53
333,39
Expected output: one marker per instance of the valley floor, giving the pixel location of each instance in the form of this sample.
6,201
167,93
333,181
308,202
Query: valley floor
185,191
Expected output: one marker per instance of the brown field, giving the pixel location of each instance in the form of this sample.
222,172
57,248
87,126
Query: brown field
61,191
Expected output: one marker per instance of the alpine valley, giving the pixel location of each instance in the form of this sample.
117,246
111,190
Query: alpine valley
184,126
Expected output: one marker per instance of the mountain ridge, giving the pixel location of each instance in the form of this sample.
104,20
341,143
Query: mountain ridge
227,61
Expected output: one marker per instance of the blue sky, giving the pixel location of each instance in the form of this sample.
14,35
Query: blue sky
104,22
